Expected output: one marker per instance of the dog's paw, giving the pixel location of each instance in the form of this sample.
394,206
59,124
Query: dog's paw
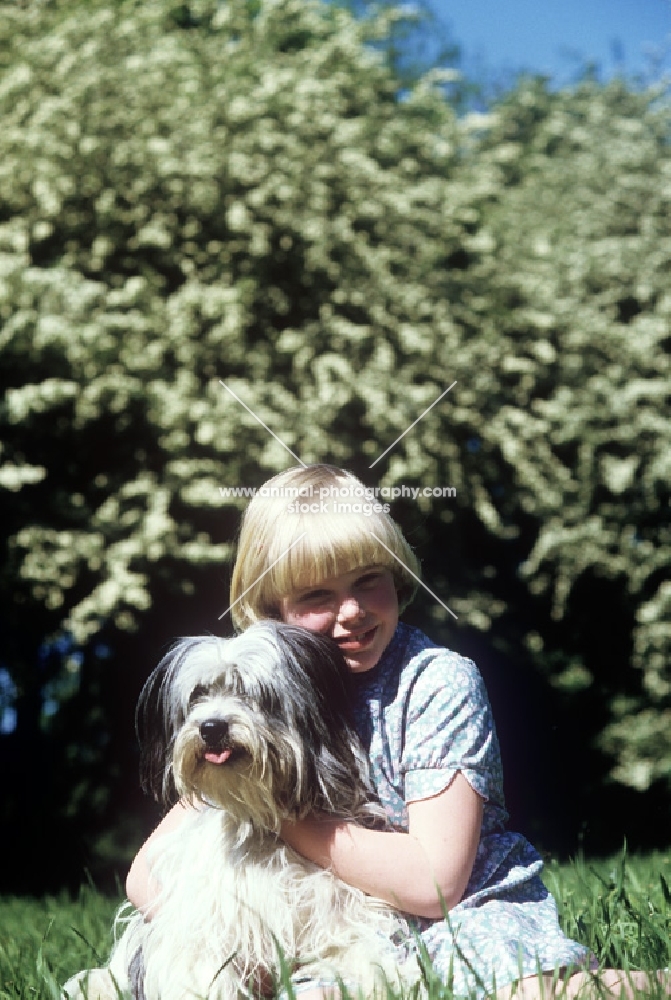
93,984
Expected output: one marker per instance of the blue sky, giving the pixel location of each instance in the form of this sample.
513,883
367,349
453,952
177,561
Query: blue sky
557,37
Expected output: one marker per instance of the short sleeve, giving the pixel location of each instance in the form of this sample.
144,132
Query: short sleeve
449,728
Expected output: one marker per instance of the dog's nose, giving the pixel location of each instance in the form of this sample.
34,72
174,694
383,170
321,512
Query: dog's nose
213,733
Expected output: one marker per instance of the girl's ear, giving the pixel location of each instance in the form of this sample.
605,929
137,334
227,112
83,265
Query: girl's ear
405,592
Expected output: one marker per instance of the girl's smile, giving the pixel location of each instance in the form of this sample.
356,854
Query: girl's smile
358,609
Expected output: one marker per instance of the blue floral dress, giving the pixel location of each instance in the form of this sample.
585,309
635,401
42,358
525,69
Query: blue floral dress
423,715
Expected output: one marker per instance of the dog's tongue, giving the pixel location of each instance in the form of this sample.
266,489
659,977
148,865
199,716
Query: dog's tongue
218,758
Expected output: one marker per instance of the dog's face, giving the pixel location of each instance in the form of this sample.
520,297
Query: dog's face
257,724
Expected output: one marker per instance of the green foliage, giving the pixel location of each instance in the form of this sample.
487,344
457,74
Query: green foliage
578,289
241,192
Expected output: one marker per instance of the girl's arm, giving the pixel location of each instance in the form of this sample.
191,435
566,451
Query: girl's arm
140,887
421,871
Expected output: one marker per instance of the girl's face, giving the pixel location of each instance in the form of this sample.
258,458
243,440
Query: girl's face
358,609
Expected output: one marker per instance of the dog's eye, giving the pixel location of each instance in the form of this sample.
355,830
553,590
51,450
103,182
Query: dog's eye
198,692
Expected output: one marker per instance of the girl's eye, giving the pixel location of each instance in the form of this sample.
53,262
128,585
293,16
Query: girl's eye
313,596
369,579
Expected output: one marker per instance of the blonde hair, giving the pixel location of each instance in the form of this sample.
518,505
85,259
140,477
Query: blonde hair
284,547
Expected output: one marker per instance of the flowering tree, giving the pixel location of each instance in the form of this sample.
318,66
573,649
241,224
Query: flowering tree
243,193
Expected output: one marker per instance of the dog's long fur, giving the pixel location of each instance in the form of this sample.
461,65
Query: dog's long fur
233,896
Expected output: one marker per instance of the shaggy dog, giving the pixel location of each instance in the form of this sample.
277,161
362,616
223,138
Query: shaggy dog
256,730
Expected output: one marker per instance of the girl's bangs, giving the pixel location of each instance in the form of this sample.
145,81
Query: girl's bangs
331,544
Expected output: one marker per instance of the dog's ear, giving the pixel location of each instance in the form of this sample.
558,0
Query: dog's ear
320,670
154,730
336,767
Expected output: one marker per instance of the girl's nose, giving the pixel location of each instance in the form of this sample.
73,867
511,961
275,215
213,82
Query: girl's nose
349,609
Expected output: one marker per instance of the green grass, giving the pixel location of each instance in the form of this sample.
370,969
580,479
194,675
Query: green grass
621,908
43,941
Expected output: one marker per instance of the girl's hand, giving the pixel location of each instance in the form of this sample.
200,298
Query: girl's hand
140,888
420,872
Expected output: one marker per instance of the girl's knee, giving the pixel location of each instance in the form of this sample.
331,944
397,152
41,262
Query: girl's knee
631,984
608,984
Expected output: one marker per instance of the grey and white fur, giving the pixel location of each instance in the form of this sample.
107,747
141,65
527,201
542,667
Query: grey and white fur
255,730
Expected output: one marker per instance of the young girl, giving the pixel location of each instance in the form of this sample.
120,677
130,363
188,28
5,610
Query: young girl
316,551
